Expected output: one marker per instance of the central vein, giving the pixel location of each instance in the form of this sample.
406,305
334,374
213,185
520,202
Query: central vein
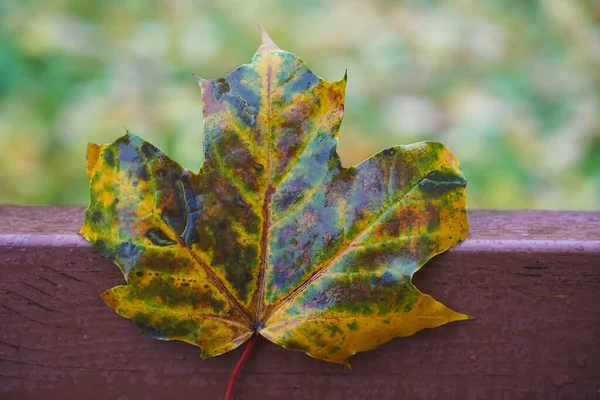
266,208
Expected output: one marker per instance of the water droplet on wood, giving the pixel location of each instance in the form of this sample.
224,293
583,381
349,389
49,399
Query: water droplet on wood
559,380
580,361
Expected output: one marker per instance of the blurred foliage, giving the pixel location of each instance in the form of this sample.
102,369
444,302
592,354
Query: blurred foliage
512,87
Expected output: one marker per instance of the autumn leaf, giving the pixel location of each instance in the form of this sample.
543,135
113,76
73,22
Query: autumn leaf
272,236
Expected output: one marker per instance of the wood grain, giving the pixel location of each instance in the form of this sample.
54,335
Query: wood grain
531,278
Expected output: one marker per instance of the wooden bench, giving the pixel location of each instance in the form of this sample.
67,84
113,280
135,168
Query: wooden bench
531,278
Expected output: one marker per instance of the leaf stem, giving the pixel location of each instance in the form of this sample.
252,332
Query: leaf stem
239,365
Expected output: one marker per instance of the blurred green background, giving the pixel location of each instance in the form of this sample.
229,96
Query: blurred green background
512,87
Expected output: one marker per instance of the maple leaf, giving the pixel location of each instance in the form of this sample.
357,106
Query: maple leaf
272,236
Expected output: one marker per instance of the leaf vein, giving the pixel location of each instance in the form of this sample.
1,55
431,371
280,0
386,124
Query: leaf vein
339,255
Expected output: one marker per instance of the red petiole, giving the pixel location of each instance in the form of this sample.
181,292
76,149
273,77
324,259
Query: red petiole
239,365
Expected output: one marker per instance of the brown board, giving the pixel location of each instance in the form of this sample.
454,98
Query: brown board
531,279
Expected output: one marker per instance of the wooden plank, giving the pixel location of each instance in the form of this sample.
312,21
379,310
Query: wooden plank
531,278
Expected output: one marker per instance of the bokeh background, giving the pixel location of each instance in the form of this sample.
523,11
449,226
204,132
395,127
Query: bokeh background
512,87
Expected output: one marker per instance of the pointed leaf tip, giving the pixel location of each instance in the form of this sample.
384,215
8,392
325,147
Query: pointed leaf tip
267,43
198,79
132,136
